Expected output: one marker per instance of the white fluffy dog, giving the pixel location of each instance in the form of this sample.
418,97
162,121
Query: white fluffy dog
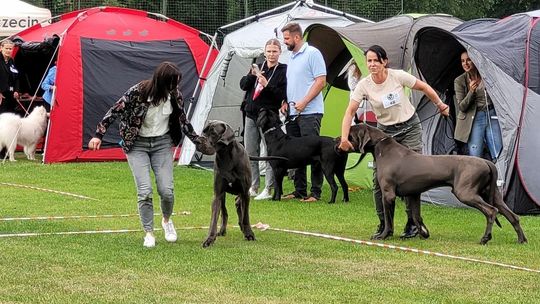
25,132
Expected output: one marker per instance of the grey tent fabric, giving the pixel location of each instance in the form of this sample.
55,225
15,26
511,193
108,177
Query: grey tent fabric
506,52
396,35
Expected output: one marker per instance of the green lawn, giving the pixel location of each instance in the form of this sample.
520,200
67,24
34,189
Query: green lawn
278,268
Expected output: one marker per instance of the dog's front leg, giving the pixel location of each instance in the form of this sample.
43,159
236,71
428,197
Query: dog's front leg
242,209
224,217
279,175
389,198
216,204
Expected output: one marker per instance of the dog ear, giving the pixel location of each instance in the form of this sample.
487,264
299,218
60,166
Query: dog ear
362,137
365,140
228,135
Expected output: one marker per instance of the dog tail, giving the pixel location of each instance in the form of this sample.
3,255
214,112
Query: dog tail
493,187
268,158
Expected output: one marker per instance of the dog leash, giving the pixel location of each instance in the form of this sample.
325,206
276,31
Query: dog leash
413,125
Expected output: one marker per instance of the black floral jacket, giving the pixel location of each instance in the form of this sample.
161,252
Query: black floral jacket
132,112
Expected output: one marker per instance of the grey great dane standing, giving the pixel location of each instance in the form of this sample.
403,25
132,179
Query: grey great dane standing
403,172
232,174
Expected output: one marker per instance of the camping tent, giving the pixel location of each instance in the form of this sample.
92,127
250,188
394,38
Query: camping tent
221,97
507,54
339,45
103,51
17,15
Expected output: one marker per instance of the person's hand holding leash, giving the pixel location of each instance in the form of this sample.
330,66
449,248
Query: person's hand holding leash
300,106
284,108
345,145
443,108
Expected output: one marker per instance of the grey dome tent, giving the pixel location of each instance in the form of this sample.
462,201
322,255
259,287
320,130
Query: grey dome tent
221,95
507,54
339,45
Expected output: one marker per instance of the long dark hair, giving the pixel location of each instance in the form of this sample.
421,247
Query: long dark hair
164,81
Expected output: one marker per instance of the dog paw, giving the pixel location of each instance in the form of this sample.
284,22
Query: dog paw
249,237
208,242
485,239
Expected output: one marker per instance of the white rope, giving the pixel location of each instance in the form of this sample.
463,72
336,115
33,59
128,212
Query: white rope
264,227
48,190
68,217
388,246
29,234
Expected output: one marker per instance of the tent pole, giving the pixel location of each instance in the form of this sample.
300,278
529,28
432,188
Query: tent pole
196,90
352,17
258,15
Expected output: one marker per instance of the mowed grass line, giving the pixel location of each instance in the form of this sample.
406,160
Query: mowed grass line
277,268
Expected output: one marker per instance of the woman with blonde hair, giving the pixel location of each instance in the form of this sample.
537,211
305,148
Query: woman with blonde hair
266,87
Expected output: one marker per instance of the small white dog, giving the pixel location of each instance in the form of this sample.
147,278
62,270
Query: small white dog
25,132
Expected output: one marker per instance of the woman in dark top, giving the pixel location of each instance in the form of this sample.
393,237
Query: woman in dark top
266,88
9,78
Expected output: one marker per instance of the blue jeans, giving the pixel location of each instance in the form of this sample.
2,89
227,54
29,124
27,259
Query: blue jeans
252,140
484,130
152,153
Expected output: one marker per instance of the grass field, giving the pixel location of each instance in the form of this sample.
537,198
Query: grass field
278,268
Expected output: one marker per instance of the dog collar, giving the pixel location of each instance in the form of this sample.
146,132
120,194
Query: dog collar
269,130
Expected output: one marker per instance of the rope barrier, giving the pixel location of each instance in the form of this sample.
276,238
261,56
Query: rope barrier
264,227
393,247
48,190
41,218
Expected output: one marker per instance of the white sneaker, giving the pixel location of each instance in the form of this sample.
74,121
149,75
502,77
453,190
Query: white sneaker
149,240
264,195
170,232
252,192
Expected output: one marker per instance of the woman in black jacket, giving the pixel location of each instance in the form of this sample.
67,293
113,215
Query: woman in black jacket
266,87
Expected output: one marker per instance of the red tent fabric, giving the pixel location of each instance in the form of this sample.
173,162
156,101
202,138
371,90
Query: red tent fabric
103,51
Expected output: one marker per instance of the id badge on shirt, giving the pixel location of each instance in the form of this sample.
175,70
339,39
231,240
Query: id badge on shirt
390,100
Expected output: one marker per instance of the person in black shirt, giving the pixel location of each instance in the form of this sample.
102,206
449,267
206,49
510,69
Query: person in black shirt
9,78
266,87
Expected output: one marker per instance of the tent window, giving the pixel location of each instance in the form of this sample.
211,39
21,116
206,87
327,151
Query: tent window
109,68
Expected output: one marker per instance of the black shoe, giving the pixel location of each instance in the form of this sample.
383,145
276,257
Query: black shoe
410,231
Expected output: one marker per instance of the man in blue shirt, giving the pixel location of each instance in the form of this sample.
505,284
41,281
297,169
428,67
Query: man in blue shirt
306,77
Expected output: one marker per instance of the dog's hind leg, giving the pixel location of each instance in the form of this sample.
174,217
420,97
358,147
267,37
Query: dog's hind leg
224,217
475,200
510,216
329,175
340,173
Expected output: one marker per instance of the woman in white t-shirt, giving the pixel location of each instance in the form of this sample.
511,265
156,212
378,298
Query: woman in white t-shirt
384,89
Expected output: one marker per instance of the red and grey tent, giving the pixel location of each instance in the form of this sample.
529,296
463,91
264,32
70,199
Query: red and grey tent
102,52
